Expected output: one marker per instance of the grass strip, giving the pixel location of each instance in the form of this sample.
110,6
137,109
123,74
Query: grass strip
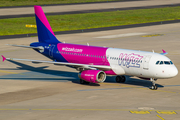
4,3
91,20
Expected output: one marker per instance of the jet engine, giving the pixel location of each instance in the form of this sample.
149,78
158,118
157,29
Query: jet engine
93,76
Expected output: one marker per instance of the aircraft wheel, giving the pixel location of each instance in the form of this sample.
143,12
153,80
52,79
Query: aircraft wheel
123,79
154,87
120,79
87,83
83,82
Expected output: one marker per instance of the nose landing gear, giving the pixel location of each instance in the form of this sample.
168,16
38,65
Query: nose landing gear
154,86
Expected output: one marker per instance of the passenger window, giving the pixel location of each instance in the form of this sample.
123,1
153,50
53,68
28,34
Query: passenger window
161,62
157,62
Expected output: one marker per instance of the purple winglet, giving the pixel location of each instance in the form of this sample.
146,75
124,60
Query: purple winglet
163,51
3,58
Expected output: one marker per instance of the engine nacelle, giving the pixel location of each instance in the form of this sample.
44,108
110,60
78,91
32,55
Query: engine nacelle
93,76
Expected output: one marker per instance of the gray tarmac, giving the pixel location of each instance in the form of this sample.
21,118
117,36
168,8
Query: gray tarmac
82,7
43,91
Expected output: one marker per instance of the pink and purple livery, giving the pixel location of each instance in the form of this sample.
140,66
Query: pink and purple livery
94,63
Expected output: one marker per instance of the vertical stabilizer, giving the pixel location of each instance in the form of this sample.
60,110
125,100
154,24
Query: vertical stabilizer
44,30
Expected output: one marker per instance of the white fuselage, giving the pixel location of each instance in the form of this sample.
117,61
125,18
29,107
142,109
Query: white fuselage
140,63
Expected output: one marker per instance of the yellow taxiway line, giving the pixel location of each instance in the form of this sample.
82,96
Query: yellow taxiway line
160,117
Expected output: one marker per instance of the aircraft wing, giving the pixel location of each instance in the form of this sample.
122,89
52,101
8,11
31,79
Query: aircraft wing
76,65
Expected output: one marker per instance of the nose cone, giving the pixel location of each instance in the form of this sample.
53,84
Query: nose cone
168,72
174,72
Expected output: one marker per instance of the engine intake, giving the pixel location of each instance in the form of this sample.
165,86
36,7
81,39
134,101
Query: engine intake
93,76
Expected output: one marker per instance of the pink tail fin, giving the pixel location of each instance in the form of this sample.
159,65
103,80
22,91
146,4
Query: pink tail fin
44,30
3,58
40,14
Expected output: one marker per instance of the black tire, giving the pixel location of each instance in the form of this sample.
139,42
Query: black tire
83,82
123,79
120,79
87,83
154,87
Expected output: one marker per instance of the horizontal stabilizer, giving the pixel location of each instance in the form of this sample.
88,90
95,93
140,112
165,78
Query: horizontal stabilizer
39,47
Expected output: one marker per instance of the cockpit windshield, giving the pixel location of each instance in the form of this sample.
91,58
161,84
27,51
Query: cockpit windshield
164,62
167,62
157,62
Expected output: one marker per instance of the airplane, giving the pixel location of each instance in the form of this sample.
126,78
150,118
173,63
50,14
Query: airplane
93,62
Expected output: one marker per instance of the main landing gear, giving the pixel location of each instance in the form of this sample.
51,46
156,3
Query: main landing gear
120,79
84,82
154,86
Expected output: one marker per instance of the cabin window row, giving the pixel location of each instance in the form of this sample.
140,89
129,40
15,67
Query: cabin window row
80,54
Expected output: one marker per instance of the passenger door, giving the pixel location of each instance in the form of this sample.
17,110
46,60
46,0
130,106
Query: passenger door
146,62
